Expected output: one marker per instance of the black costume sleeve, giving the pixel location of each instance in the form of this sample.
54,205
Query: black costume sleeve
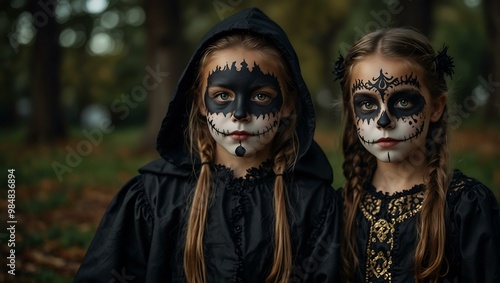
477,219
121,244
323,261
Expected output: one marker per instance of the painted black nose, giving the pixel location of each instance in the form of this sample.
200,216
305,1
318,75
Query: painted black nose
241,108
240,113
384,120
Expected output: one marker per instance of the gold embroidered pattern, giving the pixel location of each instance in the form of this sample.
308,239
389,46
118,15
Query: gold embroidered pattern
379,264
381,239
381,228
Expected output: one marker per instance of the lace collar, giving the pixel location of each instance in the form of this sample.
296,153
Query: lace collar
370,189
225,174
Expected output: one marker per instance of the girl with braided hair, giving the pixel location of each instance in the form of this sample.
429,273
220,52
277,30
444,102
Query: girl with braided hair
242,192
407,216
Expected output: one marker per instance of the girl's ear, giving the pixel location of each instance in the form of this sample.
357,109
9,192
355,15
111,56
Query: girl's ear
438,107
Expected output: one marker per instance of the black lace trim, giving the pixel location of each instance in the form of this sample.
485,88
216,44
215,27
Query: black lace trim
385,195
225,175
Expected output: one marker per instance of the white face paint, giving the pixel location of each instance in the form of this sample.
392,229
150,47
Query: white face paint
243,102
391,108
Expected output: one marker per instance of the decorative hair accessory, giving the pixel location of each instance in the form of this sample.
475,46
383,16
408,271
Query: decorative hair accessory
339,69
444,63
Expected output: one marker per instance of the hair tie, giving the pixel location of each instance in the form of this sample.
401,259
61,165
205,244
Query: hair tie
339,69
280,174
205,163
444,63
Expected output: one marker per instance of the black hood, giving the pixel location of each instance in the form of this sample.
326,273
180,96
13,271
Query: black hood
171,144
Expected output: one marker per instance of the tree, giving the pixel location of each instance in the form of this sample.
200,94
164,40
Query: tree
492,12
47,123
164,47
416,14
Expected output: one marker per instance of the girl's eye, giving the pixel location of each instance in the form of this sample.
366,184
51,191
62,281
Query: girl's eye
262,98
222,96
403,103
367,106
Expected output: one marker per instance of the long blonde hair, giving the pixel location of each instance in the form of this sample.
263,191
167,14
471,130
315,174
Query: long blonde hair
284,149
413,47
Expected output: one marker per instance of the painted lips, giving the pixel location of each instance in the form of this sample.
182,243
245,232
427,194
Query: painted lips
240,135
386,142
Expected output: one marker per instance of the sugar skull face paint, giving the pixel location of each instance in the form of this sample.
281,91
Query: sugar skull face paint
243,105
390,106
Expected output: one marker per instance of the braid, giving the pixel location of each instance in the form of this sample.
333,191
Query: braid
355,166
428,260
285,152
357,171
282,263
194,263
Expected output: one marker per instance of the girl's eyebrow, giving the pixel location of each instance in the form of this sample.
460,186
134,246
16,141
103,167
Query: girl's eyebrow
405,91
222,86
365,95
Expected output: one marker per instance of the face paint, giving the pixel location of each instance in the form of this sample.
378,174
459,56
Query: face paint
243,107
244,83
390,109
383,83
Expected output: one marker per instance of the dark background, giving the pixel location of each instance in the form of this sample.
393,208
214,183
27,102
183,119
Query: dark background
84,85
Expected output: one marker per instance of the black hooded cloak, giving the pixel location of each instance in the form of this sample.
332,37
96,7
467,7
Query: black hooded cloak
141,236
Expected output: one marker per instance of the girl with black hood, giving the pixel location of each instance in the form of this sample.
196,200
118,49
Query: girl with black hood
242,192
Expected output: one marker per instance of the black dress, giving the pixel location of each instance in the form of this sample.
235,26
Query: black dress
141,236
386,231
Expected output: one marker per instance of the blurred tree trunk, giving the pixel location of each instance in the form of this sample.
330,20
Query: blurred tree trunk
47,122
492,12
164,54
415,14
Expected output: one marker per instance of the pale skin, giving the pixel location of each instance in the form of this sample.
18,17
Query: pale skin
393,120
258,147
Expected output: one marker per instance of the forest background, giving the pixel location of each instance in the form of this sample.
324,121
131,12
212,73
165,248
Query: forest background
84,85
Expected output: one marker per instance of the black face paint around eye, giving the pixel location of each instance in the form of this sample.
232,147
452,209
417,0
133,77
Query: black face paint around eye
383,83
243,83
414,98
359,101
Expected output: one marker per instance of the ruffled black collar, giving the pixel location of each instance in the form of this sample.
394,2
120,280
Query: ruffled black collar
225,174
370,189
